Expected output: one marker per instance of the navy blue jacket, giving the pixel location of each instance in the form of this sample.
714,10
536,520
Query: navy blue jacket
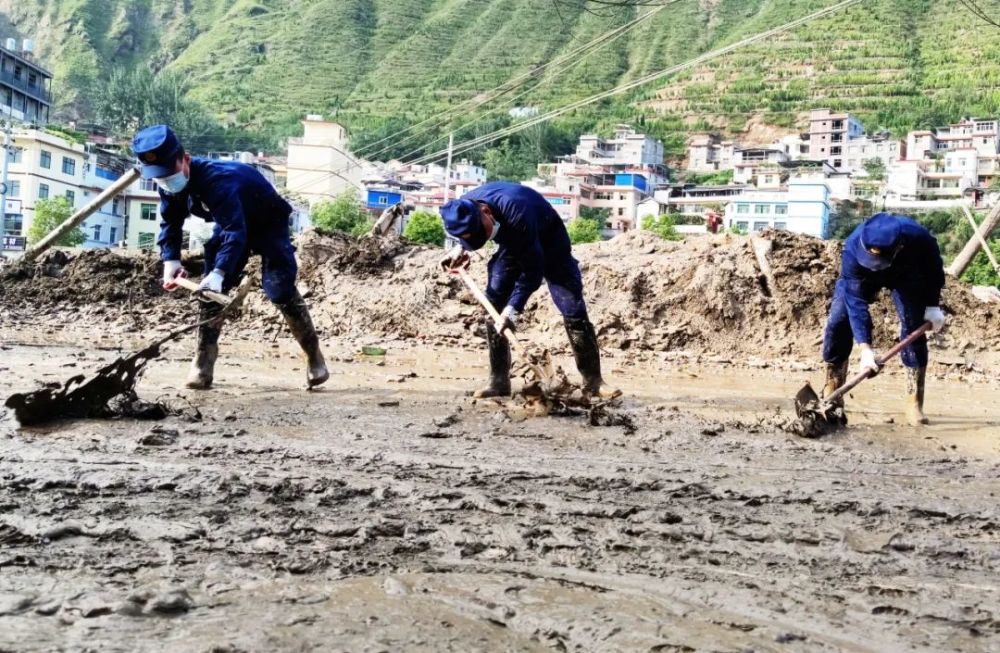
235,196
917,270
531,233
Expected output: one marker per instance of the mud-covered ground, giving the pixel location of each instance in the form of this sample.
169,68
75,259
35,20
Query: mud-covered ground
390,512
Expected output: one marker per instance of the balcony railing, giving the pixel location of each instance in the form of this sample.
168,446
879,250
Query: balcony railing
7,77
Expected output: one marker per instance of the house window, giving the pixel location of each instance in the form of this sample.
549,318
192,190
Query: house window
147,184
12,224
382,199
146,240
743,208
780,225
781,209
621,211
147,211
43,191
14,189
759,226
112,234
97,232
68,166
760,209
15,155
71,196
742,226
46,159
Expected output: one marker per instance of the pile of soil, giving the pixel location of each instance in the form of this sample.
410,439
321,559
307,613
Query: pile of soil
733,296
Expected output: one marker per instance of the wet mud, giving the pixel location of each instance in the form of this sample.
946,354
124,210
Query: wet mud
391,512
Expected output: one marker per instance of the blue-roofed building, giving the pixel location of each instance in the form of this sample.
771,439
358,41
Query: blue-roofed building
379,199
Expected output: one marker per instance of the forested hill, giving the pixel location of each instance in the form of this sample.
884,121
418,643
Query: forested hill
261,64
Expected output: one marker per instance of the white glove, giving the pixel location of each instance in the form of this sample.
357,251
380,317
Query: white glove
868,362
172,270
212,281
455,259
508,320
935,316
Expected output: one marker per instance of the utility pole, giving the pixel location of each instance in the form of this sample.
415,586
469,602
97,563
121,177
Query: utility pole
986,227
447,169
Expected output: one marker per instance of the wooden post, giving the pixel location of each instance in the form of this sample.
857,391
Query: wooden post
77,218
971,248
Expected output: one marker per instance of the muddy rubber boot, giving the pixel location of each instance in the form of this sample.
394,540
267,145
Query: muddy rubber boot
203,366
299,321
836,376
583,340
915,378
499,347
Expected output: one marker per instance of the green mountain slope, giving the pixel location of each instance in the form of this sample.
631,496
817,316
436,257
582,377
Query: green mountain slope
261,64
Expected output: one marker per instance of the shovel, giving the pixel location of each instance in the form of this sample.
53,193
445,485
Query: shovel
821,416
543,376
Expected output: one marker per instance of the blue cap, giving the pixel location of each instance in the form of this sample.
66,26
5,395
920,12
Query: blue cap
156,148
462,220
882,232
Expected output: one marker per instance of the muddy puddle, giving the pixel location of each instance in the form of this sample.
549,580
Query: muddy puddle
389,511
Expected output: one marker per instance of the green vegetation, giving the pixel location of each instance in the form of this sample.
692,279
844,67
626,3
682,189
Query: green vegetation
344,213
382,65
721,178
582,230
600,216
49,214
424,227
875,169
663,226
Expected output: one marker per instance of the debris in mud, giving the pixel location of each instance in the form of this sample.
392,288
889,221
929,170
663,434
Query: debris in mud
323,249
159,437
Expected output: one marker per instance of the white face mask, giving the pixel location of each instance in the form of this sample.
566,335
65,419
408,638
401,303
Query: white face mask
496,230
173,184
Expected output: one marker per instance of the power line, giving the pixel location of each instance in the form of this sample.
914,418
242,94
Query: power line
973,7
471,144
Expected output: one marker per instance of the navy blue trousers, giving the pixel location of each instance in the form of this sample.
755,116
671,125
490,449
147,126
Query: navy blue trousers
838,340
278,265
562,276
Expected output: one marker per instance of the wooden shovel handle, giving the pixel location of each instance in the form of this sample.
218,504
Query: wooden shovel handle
488,305
186,283
882,360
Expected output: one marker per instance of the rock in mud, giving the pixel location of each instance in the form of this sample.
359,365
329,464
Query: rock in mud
173,602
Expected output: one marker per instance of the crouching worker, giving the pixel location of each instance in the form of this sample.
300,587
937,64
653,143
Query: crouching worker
250,218
893,252
532,245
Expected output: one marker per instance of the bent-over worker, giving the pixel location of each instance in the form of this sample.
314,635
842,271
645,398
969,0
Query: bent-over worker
532,245
250,218
894,252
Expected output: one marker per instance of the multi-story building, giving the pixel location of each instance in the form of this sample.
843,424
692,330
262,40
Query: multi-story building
25,94
143,215
752,164
804,207
41,166
978,134
829,133
709,153
106,226
571,186
626,148
880,146
320,166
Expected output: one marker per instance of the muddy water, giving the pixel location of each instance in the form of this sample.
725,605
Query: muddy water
391,512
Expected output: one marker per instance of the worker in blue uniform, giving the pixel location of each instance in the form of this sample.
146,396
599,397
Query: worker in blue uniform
532,246
250,218
892,252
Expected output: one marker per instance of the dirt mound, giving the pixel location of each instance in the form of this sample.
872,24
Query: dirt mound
731,296
91,276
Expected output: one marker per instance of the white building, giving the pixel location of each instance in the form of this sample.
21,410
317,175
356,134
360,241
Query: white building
803,208
625,148
320,165
709,153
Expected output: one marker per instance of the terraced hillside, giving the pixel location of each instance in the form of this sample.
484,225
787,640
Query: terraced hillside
263,63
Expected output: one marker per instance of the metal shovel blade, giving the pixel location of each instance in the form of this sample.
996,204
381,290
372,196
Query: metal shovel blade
817,418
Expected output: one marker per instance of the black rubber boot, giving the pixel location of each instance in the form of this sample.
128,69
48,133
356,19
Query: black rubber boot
916,378
583,340
499,364
203,366
299,321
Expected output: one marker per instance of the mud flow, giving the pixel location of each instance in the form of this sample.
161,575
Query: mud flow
390,510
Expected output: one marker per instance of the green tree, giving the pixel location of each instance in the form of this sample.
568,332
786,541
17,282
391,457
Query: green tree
980,272
49,214
344,213
424,227
875,169
600,216
582,230
663,226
